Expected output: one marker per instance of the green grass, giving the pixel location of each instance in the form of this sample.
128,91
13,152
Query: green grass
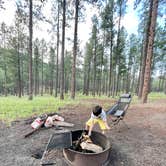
154,96
151,97
12,108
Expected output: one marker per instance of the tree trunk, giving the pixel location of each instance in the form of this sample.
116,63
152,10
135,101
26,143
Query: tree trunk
111,52
139,75
22,73
143,63
30,51
133,81
42,73
162,84
73,79
165,84
85,78
5,63
117,49
52,66
36,65
19,70
106,84
5,73
57,55
110,71
150,51
62,53
94,69
88,80
128,79
159,87
144,55
114,84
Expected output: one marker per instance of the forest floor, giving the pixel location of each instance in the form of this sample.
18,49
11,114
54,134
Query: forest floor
144,144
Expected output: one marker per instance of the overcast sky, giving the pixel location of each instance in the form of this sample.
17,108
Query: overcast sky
130,21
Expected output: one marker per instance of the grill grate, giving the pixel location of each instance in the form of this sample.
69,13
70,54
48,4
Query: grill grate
60,140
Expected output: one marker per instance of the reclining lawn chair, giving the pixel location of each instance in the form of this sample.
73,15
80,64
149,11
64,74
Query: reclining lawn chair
118,111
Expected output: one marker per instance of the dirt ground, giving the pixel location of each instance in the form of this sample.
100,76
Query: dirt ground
143,144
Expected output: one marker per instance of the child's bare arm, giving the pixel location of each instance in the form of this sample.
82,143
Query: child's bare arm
90,129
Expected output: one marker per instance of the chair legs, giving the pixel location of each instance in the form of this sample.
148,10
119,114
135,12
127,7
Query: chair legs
117,121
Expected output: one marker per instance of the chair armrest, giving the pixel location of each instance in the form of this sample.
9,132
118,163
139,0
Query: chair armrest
112,110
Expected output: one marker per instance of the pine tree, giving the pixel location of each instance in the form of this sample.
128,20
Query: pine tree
30,50
62,52
153,17
73,80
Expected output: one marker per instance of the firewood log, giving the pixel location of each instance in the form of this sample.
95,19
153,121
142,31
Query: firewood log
63,124
92,147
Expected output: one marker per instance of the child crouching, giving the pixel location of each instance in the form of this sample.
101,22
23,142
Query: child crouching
98,115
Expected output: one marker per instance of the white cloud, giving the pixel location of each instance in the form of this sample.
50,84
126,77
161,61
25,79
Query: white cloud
7,14
85,28
130,20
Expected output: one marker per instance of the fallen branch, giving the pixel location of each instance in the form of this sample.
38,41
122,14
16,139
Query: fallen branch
31,132
63,124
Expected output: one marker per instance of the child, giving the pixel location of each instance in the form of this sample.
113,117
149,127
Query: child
98,115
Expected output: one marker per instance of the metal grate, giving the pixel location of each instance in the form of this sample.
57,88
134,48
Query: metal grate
60,140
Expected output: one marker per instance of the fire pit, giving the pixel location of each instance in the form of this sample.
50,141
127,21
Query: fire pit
77,158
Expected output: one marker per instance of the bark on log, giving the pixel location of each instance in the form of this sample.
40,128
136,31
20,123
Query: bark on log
92,147
31,132
63,124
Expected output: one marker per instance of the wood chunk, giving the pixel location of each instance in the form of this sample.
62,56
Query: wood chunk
30,132
63,124
91,147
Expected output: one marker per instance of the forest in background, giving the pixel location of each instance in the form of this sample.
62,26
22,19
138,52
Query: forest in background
112,62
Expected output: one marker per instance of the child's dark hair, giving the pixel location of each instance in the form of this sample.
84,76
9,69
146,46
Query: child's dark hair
97,110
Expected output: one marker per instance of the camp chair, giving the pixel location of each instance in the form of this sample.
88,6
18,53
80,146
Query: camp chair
118,110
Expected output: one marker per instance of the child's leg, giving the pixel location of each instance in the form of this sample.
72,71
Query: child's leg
103,126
